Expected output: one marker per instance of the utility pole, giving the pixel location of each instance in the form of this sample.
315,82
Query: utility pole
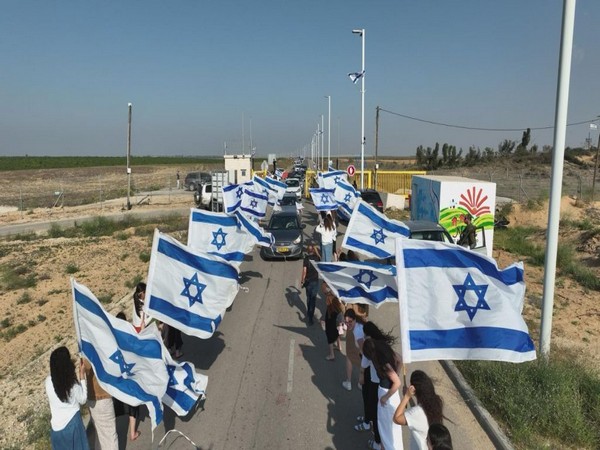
128,158
595,167
376,142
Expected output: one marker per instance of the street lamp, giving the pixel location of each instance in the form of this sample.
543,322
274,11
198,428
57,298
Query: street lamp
361,32
328,97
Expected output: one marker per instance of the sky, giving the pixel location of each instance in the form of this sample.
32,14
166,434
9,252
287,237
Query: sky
205,77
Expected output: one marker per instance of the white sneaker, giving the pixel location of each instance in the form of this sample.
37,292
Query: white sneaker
374,445
347,385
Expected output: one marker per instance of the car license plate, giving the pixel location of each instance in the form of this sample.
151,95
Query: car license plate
283,249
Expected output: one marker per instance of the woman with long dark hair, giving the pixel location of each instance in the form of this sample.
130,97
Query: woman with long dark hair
333,316
428,410
370,383
388,364
65,395
328,234
138,318
354,341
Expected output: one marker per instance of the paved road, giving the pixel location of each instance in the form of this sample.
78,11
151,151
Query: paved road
269,384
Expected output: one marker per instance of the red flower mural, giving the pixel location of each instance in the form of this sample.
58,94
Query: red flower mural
474,202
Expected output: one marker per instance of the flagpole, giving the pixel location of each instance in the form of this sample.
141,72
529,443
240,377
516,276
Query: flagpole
361,32
560,125
328,129
128,157
323,166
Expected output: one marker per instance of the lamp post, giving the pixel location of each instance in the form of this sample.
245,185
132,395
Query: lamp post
322,144
361,32
129,157
328,97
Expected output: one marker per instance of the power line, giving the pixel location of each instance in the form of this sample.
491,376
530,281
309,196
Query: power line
477,128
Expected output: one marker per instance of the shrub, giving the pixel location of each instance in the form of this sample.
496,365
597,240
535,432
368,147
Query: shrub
16,277
144,256
71,268
133,283
25,298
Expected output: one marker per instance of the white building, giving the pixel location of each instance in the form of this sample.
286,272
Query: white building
239,168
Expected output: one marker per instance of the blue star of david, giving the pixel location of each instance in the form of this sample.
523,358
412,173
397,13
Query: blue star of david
239,192
125,368
461,290
378,236
324,198
253,204
347,197
171,373
219,242
199,288
337,178
361,274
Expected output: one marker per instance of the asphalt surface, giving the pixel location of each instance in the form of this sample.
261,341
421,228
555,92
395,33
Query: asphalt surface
269,384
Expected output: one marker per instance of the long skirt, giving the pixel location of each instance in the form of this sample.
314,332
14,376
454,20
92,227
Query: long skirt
71,437
390,433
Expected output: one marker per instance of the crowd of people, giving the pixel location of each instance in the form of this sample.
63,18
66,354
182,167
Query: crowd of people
388,403
67,389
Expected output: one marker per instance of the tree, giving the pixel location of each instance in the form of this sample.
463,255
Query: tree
506,147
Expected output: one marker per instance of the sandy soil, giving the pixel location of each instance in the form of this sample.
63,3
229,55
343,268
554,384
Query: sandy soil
109,265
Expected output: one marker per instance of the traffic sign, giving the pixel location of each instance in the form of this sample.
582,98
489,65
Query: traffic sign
351,170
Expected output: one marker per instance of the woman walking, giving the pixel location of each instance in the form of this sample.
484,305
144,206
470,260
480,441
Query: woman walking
354,342
428,411
65,395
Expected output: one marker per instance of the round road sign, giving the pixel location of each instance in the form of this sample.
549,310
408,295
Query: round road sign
351,170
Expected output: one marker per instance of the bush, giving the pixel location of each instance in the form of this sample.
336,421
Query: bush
536,401
71,268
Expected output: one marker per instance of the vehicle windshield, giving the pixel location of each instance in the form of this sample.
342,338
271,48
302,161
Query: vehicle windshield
283,223
434,235
292,183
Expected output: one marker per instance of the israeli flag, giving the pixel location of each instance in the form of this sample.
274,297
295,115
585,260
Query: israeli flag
346,197
254,231
219,234
188,289
254,204
355,76
233,195
457,304
330,179
270,187
323,199
185,386
371,233
278,173
360,282
129,366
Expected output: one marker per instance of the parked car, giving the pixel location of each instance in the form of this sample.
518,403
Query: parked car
193,179
425,230
286,228
203,195
372,197
294,187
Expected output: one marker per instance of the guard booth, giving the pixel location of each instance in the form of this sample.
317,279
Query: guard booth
239,168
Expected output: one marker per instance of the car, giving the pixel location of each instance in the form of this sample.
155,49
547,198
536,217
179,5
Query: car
372,197
286,228
193,179
294,186
289,202
425,230
203,195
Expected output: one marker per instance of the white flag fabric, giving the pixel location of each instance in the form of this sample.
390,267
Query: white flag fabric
254,204
323,199
371,233
230,237
593,126
330,179
275,189
129,366
346,197
355,76
188,289
232,196
457,304
360,282
185,385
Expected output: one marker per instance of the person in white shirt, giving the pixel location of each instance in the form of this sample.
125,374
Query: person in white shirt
65,395
428,411
328,234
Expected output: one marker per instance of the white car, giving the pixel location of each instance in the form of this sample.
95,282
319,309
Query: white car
294,187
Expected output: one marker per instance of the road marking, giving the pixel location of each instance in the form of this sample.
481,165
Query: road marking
290,382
